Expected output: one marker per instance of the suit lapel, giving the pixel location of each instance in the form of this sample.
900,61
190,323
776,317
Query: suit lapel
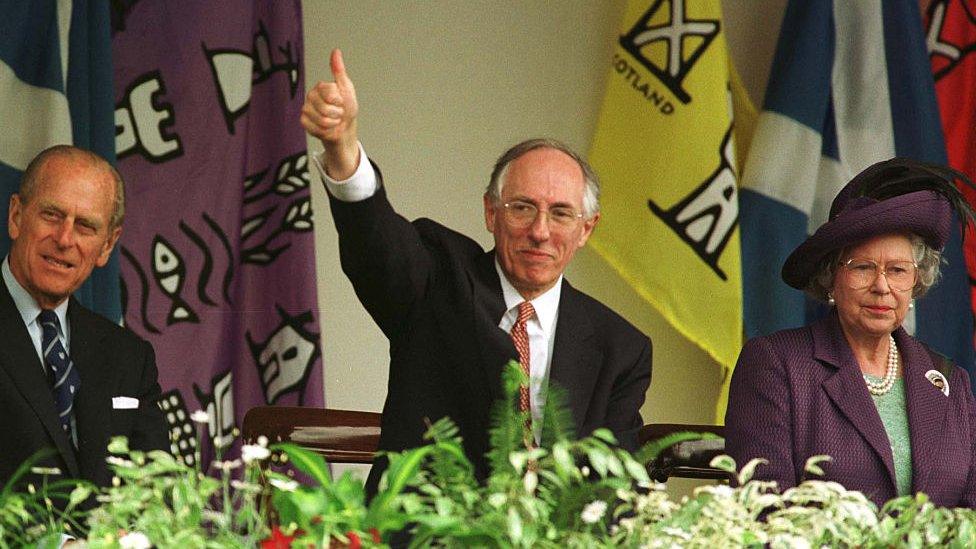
19,358
573,353
494,344
847,390
927,408
90,405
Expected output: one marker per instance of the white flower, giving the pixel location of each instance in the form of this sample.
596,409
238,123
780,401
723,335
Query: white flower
628,524
263,441
283,484
252,452
116,460
496,500
227,465
593,511
676,533
200,416
720,490
530,481
45,470
134,540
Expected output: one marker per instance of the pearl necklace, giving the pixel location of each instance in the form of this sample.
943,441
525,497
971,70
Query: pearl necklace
882,387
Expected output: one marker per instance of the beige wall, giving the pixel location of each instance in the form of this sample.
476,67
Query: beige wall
445,87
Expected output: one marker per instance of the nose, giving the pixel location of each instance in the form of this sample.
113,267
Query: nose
65,234
539,229
881,282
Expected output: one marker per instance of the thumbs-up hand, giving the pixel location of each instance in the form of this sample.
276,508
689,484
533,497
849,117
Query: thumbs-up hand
329,113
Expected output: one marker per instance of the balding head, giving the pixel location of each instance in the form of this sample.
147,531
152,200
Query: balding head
28,183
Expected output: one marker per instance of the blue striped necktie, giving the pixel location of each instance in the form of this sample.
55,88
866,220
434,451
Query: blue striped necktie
61,371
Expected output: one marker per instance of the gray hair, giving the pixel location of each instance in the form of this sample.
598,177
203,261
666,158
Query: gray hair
928,259
28,183
591,192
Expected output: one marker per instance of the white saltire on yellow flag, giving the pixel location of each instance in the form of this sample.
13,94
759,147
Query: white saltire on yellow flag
664,151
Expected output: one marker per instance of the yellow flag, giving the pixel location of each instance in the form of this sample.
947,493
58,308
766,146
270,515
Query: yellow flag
665,153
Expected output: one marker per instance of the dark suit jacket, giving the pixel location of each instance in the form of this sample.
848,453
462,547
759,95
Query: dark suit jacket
111,362
436,295
799,393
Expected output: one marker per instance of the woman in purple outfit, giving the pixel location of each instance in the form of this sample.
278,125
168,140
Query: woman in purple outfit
895,417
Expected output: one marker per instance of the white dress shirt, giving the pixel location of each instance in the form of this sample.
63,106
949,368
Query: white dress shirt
542,330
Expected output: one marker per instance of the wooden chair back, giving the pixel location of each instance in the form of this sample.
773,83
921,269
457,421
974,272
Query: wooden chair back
340,436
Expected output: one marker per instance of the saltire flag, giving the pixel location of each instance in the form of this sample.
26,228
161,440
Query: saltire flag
56,88
951,41
218,260
665,152
850,85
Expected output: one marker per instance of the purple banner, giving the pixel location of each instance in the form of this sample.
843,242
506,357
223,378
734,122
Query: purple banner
217,251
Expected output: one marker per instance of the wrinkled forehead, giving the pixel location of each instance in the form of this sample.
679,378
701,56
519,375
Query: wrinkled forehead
76,179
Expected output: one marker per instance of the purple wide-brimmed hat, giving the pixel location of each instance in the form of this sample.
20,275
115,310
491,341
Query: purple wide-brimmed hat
895,196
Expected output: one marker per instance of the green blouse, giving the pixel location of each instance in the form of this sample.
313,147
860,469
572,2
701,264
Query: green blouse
894,415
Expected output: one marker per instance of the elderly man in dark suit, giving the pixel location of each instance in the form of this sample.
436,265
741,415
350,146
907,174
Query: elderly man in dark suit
895,417
69,379
455,314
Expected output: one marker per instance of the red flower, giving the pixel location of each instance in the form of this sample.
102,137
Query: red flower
354,541
278,539
376,535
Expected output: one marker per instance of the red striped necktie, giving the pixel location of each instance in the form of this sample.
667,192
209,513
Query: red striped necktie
520,337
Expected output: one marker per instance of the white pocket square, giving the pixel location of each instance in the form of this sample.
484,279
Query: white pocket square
124,403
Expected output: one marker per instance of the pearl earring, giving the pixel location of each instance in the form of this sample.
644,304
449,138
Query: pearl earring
911,304
830,299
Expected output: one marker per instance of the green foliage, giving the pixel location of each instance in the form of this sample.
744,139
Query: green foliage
567,493
36,506
508,423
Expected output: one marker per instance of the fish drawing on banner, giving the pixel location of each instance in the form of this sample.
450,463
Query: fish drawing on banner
170,274
235,71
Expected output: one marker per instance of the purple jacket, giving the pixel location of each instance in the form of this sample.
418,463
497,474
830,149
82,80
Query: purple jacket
799,393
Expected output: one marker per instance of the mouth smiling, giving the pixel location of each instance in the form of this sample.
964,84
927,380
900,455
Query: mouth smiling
535,254
57,262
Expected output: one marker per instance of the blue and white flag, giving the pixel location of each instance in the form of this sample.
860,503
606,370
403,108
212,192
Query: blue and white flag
850,85
56,87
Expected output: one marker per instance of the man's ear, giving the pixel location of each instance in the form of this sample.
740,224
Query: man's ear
489,213
588,226
13,217
113,237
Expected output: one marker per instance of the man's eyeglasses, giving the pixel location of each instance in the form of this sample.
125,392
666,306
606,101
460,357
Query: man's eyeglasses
520,215
861,273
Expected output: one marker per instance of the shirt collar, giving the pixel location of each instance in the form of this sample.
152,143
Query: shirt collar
546,305
25,304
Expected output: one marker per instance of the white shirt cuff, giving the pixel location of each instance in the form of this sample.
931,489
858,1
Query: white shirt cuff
360,186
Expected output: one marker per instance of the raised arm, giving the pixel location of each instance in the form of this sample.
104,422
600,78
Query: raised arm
381,252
